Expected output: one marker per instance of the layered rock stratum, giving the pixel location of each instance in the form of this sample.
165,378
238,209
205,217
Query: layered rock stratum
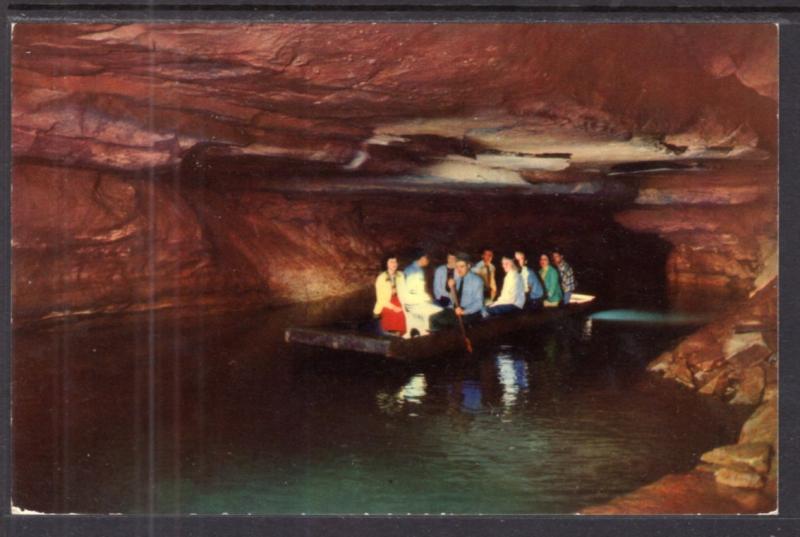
184,165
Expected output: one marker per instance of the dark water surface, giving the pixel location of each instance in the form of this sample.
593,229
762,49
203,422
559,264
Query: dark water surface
216,415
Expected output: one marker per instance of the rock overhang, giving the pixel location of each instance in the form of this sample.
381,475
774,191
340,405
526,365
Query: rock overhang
510,101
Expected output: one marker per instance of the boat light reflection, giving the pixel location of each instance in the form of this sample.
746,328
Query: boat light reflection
648,317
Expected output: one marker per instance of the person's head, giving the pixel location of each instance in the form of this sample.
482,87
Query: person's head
544,261
519,255
421,258
462,264
557,257
487,255
451,260
390,262
508,263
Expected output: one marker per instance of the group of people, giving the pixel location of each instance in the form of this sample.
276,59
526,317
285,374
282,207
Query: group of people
461,290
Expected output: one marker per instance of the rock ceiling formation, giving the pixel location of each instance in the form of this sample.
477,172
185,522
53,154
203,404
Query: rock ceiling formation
178,148
133,96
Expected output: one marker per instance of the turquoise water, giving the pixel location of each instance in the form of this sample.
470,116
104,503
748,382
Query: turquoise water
217,415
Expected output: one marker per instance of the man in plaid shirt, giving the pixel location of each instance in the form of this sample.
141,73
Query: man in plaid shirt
566,275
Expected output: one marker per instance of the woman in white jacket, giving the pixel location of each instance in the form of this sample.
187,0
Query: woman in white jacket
512,296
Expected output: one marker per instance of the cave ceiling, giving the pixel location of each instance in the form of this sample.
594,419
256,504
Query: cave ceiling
412,104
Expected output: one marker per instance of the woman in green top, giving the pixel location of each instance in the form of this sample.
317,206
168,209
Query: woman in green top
552,287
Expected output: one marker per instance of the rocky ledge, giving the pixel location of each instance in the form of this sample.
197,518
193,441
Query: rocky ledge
734,358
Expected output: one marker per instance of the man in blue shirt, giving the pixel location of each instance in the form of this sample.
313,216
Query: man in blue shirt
467,288
441,294
536,294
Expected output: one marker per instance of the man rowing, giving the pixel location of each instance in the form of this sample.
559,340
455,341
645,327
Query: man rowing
466,288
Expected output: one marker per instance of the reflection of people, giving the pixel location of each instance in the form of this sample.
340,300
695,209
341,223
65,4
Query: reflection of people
467,288
441,294
513,375
512,296
552,287
418,303
566,274
485,269
471,395
387,293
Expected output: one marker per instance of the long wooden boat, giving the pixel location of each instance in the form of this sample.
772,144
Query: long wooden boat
357,337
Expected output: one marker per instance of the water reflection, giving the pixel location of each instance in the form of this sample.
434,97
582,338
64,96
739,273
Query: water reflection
471,396
499,381
586,332
412,392
513,376
342,435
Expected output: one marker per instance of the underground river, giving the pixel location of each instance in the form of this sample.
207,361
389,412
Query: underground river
214,414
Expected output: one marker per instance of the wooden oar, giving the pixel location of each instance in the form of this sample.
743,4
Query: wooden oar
467,342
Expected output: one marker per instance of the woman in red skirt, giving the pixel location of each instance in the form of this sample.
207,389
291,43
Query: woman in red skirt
388,288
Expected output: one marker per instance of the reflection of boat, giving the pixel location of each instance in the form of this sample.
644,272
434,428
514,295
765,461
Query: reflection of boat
359,337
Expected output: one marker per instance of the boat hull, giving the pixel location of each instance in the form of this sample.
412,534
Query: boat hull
436,343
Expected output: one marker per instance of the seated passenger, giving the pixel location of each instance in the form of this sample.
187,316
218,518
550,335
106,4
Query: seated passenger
388,288
533,285
512,296
417,302
522,266
467,290
536,294
567,275
486,270
552,285
441,294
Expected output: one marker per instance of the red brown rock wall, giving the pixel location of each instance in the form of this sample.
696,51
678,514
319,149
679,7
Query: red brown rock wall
138,95
734,358
722,225
88,241
114,126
